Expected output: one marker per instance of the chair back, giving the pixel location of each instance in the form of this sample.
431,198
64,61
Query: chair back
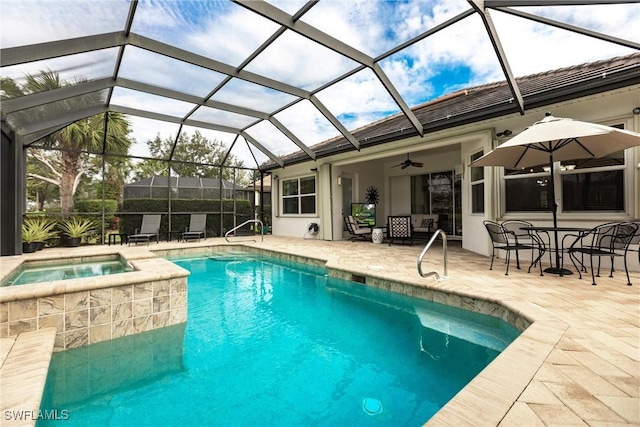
150,224
496,231
609,236
197,222
515,227
399,227
626,233
635,239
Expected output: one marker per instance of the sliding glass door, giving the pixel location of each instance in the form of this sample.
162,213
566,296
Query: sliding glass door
439,193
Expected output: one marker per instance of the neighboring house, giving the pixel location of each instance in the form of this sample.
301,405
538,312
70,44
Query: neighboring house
186,188
266,191
459,128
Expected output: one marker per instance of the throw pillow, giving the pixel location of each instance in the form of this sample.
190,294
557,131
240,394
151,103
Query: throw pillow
427,223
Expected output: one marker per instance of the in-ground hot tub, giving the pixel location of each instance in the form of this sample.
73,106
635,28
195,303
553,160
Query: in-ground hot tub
93,308
39,272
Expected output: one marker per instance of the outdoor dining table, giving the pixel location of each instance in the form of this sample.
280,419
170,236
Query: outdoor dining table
558,268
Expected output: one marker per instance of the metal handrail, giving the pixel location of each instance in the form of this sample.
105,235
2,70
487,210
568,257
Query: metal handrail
226,235
444,254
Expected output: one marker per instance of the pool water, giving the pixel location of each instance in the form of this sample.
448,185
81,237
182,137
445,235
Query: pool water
270,343
48,273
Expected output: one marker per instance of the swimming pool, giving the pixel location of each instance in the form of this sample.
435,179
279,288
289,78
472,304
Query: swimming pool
270,343
34,273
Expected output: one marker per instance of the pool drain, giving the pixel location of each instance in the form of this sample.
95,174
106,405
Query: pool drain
371,406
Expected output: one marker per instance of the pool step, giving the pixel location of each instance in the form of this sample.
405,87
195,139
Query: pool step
230,256
463,329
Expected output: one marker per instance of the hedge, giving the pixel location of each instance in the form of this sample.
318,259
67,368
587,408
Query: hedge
95,206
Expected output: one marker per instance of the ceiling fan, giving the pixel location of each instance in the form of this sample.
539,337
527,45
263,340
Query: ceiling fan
408,163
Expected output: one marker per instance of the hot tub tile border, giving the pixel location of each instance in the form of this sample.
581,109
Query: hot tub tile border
90,310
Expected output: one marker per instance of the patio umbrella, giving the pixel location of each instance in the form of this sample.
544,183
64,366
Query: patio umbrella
557,139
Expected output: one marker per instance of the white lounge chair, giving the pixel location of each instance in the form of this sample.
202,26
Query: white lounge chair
355,230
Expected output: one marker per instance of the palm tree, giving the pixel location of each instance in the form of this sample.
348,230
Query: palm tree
67,162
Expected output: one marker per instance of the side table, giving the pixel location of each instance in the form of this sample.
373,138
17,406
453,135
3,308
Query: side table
114,237
170,235
377,235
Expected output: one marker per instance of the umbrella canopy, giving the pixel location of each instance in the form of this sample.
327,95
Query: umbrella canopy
557,139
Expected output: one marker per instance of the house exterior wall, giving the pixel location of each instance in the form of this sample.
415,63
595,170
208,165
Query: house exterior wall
371,168
297,225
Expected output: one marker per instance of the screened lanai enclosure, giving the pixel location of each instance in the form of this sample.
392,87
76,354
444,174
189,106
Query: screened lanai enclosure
100,95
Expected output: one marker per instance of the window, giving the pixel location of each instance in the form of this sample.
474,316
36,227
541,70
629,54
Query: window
477,185
299,196
527,190
594,184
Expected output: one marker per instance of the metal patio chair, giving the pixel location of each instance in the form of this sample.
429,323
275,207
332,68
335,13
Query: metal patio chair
521,232
608,240
505,240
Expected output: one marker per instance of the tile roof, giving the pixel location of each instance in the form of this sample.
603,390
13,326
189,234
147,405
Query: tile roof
488,101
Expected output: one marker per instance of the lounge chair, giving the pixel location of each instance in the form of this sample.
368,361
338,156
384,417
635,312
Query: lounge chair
197,228
355,230
399,228
150,229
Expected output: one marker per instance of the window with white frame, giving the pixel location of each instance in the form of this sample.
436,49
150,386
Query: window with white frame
594,184
477,185
587,185
299,196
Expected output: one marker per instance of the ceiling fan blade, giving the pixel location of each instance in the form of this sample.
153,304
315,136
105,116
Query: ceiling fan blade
404,166
417,164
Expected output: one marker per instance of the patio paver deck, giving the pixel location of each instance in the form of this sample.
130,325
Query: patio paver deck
578,364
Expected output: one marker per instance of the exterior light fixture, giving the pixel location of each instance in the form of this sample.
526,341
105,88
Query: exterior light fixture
505,132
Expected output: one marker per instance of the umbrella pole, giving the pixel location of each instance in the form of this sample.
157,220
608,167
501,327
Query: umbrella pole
558,269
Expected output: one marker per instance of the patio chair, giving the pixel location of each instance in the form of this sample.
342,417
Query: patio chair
521,232
197,228
355,230
504,240
399,228
633,246
608,240
149,229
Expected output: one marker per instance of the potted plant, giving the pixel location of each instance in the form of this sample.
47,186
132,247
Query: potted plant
75,229
35,232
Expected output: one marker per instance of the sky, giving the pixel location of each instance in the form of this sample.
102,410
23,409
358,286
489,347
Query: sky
459,56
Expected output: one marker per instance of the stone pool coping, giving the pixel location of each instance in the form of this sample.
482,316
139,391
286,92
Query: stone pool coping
23,374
